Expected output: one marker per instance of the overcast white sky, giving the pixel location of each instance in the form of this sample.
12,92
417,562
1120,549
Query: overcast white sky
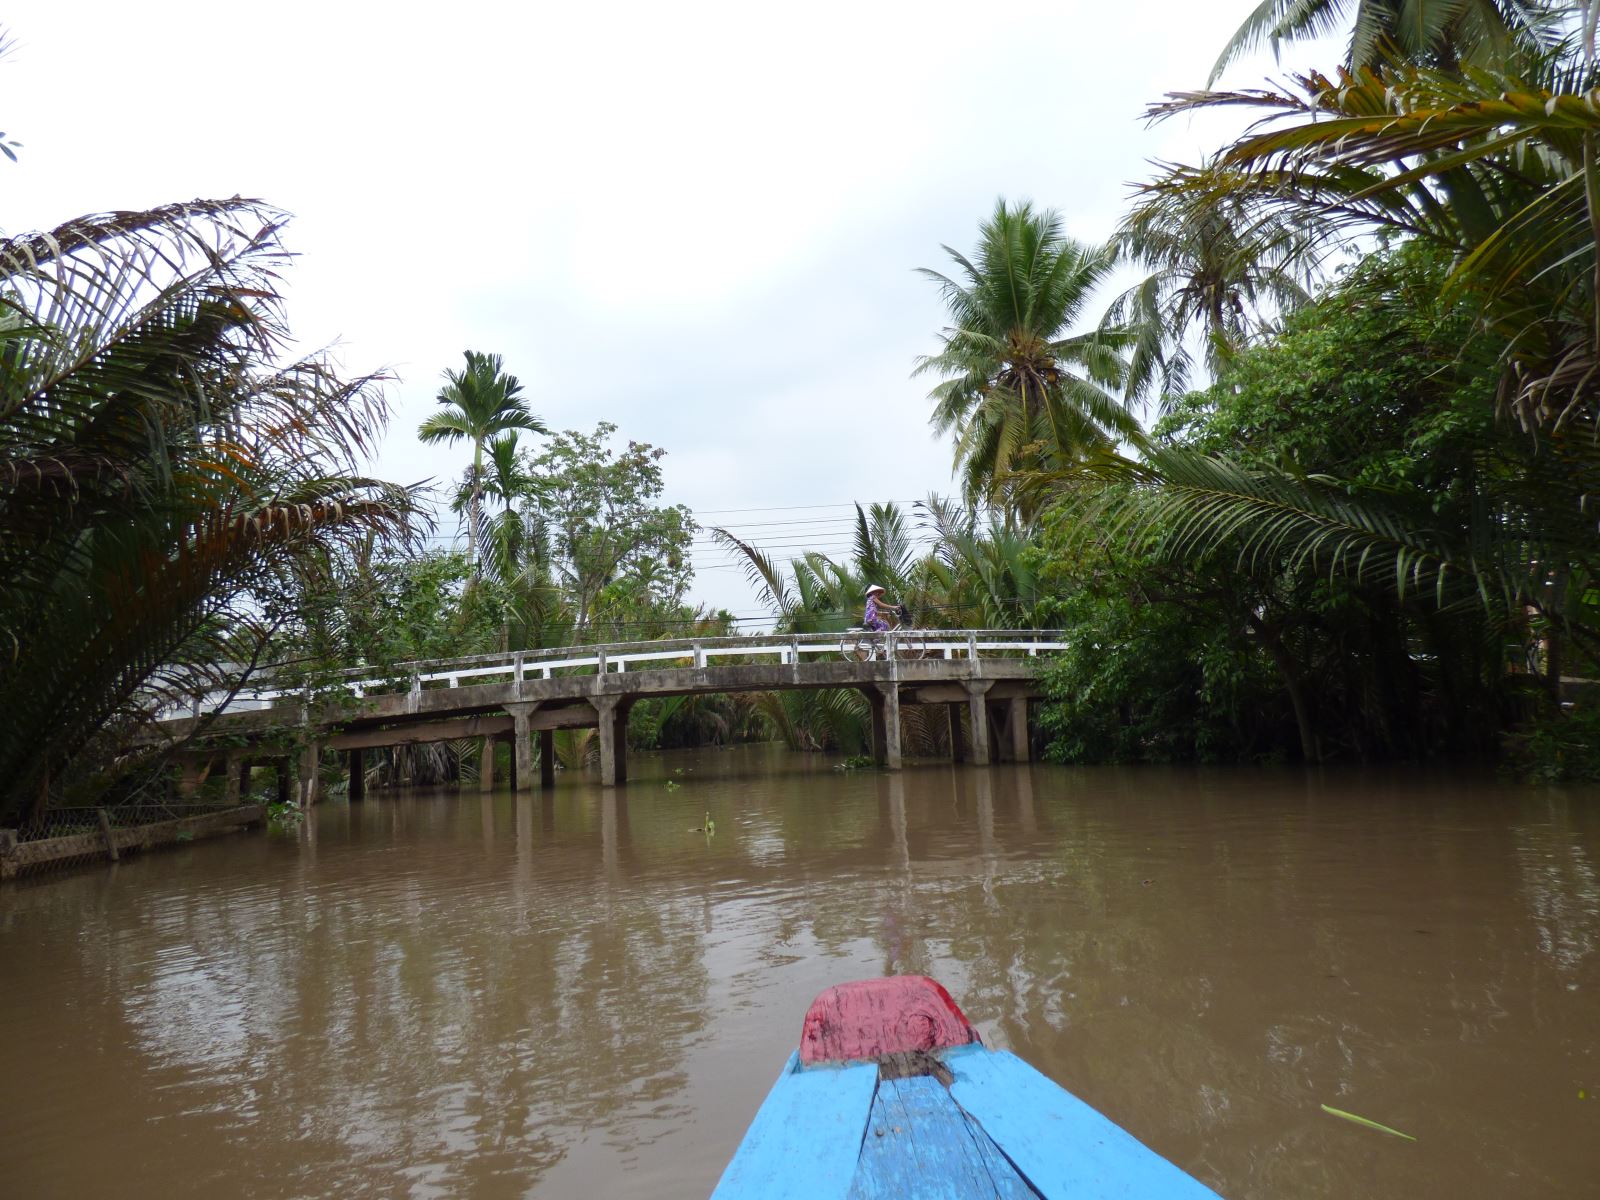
698,221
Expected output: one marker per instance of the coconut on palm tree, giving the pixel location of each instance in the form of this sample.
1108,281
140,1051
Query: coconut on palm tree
479,402
1020,391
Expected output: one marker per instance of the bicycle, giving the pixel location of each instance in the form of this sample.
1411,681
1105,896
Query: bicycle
868,645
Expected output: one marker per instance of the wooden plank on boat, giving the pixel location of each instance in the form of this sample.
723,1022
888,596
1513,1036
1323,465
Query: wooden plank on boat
920,1143
1063,1147
806,1137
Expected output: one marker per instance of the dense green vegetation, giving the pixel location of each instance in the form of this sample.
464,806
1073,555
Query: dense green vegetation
1371,533
167,481
1386,496
1319,485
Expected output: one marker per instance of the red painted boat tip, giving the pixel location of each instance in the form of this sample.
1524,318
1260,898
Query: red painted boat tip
867,1019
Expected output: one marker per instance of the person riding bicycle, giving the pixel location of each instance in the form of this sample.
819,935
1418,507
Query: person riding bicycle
876,609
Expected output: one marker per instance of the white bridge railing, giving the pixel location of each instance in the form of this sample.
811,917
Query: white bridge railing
617,658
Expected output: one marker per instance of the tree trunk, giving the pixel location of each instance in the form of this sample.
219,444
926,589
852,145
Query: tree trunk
473,505
1269,638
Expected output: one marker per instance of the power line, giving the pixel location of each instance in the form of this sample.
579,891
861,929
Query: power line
803,507
850,521
831,529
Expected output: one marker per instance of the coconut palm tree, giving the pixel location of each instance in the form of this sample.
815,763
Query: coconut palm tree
1213,263
1019,390
1445,33
1499,168
479,401
164,480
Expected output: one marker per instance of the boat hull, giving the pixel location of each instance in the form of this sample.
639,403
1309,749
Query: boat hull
942,1121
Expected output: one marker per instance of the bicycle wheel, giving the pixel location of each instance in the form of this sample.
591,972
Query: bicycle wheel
911,645
857,646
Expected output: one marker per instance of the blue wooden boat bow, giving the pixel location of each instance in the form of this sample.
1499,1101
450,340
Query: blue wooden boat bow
893,1094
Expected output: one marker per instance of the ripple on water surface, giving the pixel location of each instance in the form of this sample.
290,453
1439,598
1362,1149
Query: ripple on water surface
442,994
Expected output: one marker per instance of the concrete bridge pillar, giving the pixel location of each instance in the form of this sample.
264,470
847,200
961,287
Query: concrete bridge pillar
521,747
486,766
235,767
613,749
953,713
624,707
358,776
885,701
1017,726
977,703
547,759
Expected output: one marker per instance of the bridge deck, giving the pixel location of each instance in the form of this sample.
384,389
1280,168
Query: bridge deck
512,696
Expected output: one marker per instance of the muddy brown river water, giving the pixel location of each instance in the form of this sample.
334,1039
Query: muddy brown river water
437,994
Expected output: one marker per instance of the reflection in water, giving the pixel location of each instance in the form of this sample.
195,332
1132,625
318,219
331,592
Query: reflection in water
1560,888
573,994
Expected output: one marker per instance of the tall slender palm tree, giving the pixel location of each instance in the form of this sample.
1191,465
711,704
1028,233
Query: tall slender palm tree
506,480
479,401
1020,391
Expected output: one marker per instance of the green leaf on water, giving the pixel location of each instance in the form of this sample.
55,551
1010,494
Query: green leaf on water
1339,1112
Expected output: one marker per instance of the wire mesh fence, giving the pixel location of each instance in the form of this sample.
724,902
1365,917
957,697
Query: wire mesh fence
69,822
67,838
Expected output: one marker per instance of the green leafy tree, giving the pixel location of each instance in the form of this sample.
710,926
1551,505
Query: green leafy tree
621,558
1347,496
1158,665
479,401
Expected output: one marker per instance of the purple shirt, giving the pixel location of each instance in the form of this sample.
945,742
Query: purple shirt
873,620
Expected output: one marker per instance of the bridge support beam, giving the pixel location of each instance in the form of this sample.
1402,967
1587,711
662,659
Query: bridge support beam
978,706
486,765
613,749
521,747
235,766
547,759
624,707
953,713
1017,725
358,776
885,701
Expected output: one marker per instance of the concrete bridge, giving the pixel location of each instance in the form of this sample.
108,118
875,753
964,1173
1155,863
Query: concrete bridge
984,676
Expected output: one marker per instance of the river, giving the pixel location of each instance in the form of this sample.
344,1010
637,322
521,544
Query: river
442,994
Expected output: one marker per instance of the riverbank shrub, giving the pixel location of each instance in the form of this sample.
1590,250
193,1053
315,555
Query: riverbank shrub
1559,745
